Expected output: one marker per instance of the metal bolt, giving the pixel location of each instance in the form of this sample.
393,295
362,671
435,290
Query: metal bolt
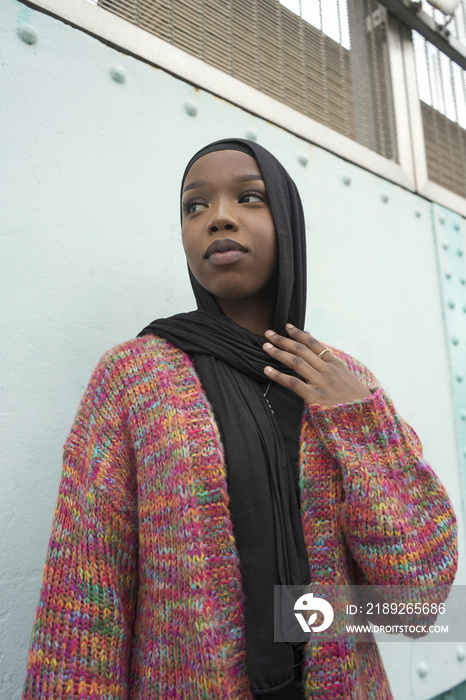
463,280
117,73
460,252
384,197
455,340
451,304
447,274
456,227
441,219
417,213
27,33
463,414
190,107
422,669
346,180
303,159
459,377
251,134
445,245
464,308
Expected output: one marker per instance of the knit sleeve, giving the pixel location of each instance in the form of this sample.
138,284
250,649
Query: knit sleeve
395,514
81,638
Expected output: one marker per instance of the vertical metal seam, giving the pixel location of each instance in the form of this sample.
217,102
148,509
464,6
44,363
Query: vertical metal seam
442,88
376,82
201,28
257,47
434,118
170,21
230,34
303,61
324,64
280,51
343,70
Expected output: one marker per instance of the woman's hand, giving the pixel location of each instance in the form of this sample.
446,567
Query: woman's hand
325,380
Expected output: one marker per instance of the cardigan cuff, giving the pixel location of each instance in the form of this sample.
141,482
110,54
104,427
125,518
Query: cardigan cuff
358,432
344,411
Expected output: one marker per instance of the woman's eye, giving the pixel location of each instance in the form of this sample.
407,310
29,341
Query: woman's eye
249,197
192,207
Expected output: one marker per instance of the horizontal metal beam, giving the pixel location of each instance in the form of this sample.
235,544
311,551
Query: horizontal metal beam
410,14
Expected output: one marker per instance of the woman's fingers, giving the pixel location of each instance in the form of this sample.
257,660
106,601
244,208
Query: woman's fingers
322,378
293,383
294,358
300,353
310,342
297,356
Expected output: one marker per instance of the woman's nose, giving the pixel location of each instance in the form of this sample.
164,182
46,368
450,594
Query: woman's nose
222,219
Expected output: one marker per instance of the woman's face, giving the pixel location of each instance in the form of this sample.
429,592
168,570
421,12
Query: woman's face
227,228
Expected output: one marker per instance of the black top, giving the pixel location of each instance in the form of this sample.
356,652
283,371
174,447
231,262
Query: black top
287,408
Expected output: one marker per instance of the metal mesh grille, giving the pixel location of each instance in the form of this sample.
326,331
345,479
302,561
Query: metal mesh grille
327,59
442,92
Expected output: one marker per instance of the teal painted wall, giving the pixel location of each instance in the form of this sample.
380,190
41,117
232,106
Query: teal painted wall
90,252
456,693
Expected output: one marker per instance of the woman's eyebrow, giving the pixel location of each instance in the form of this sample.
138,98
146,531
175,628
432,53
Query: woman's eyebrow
246,178
236,178
195,185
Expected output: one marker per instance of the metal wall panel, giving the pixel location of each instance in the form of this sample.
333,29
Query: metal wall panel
450,235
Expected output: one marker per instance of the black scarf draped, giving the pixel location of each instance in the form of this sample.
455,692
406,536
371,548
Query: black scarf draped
264,503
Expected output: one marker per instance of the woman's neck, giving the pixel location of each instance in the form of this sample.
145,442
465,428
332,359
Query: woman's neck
256,317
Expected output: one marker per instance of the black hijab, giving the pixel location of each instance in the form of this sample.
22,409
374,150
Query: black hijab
263,499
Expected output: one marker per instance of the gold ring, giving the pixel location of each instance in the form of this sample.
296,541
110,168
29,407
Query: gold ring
321,354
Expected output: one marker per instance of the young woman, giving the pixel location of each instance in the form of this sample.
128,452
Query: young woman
220,453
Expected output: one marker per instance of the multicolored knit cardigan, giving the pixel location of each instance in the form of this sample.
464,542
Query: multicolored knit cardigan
141,593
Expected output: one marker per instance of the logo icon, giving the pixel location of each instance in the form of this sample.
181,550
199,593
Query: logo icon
308,603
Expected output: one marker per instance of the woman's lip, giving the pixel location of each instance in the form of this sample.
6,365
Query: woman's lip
222,245
227,257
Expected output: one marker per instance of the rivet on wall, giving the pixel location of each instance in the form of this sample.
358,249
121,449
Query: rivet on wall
456,227
190,107
422,669
417,212
441,219
384,197
27,33
460,653
459,377
346,180
455,340
303,159
117,73
445,245
447,274
251,134
463,414
463,280
460,252
464,308
451,304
